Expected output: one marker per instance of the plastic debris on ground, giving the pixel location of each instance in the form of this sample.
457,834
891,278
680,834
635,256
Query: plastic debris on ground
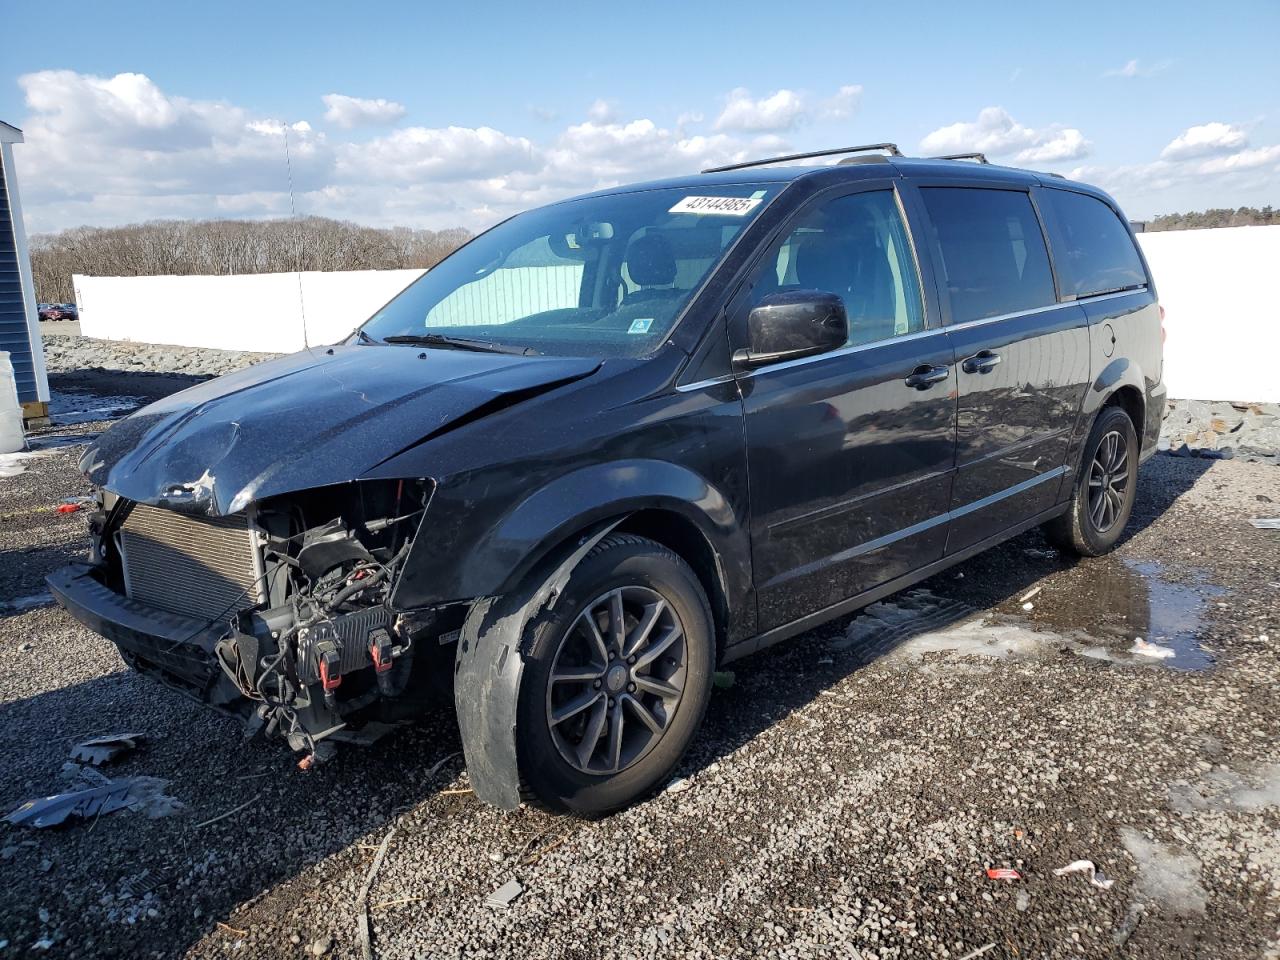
678,785
1096,876
73,504
99,750
505,895
1267,523
1147,649
1003,873
94,796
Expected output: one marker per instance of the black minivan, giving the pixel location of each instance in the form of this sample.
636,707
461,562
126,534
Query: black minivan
620,440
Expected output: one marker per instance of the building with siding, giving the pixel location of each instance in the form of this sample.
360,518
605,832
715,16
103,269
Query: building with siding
19,322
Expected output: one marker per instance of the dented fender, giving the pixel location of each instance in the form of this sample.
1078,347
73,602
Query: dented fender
488,668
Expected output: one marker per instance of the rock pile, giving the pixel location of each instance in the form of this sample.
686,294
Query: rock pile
1222,430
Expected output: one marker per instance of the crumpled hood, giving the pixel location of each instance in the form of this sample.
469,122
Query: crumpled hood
307,420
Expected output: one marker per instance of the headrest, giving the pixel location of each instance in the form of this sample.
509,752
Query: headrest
650,262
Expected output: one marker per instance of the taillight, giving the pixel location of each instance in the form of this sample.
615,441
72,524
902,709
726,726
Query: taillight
1163,334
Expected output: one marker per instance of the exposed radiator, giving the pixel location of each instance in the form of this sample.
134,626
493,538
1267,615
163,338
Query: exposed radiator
202,567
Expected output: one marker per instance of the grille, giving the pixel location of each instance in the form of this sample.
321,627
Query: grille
203,567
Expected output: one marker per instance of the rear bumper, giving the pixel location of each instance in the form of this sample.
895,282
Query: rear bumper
179,649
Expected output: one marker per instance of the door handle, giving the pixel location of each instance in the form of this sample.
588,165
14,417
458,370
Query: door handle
926,375
981,362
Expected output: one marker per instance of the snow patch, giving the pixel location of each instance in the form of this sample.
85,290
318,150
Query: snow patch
1166,879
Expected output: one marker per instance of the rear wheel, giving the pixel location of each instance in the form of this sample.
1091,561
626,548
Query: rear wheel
1105,488
616,679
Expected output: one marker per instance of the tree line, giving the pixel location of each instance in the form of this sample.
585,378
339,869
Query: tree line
1240,217
215,247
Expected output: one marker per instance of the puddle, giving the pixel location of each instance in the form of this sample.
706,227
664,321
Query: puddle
1096,610
1115,601
77,406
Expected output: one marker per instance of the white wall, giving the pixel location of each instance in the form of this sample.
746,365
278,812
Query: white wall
1222,317
1221,314
245,312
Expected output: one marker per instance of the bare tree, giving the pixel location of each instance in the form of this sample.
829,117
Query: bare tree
218,247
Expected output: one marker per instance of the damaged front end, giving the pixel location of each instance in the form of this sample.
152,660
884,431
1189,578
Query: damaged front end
280,612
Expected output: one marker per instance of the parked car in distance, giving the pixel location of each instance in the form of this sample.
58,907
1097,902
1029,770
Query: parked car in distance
618,441
57,311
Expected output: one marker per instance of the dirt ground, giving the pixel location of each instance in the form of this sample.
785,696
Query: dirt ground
846,798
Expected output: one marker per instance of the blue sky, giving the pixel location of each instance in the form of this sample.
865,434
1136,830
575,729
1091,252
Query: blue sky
458,115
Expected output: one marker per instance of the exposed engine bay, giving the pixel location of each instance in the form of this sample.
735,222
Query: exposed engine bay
286,608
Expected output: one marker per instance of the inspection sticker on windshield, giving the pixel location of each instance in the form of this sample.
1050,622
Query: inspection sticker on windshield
640,326
727,206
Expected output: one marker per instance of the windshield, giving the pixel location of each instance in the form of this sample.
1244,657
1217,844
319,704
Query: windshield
601,276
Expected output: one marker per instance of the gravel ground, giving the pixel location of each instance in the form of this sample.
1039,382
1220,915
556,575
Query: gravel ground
845,799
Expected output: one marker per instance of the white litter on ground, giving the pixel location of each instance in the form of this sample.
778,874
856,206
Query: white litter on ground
1147,649
1167,879
1089,869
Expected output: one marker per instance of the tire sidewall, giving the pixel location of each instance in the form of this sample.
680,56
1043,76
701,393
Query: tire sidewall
1112,418
546,774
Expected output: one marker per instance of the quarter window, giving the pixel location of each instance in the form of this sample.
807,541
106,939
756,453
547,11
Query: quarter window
994,258
856,247
1095,252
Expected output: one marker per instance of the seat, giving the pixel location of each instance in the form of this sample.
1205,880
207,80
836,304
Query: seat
652,267
853,265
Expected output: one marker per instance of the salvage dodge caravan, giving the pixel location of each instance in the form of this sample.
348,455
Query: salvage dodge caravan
617,441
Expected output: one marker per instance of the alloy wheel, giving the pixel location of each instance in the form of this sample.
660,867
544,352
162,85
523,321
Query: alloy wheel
616,680
1108,481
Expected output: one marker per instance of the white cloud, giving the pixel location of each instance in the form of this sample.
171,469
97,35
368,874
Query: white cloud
143,153
1135,68
449,153
1056,146
778,111
350,112
996,133
1244,160
602,111
844,103
1205,140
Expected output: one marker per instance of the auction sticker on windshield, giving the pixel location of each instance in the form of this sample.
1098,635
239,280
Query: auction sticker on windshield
730,206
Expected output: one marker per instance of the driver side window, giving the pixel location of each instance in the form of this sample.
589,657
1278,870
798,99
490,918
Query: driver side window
856,247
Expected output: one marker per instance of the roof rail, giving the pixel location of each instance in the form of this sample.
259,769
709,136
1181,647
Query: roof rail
890,148
980,157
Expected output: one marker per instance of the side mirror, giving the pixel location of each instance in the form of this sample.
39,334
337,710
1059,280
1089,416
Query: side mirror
797,323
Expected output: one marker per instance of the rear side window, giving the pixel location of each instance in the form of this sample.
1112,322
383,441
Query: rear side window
994,258
1095,252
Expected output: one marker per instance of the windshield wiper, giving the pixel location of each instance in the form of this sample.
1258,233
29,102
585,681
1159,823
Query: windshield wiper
457,343
365,338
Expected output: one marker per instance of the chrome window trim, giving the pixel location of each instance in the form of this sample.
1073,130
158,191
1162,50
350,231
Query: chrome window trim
1098,297
916,335
843,351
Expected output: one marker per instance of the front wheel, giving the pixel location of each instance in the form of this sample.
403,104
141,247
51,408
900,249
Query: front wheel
617,677
1105,488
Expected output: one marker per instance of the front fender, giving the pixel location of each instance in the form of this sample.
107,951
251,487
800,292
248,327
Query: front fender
488,668
502,552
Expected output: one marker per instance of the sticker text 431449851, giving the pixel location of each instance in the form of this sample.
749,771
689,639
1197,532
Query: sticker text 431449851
726,206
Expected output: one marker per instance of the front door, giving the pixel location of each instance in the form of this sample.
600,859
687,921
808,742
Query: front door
850,466
1022,358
